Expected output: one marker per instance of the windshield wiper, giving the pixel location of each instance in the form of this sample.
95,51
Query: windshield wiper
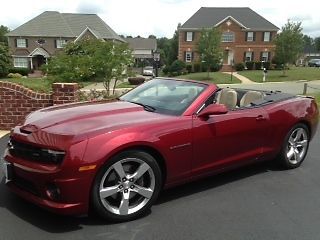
145,106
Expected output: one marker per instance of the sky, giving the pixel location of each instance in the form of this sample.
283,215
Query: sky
160,17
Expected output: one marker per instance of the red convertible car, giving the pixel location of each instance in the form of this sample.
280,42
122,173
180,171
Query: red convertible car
115,157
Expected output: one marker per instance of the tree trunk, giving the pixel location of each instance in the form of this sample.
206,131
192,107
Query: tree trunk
114,86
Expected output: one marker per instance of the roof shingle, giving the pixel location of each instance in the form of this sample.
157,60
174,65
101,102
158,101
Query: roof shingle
207,17
55,24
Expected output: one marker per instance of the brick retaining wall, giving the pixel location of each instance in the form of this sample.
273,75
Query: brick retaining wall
16,101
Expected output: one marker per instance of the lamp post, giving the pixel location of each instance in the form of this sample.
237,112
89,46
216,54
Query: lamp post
156,58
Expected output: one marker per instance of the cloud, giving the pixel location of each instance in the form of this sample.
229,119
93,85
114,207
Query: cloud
86,7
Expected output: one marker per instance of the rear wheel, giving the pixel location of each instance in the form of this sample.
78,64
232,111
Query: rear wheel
295,146
126,187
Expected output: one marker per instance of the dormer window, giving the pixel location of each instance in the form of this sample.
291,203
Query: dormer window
21,43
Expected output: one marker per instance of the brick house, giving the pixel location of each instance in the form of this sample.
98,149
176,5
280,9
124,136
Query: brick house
246,36
34,42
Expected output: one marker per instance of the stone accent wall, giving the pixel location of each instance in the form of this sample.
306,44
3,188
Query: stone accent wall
16,101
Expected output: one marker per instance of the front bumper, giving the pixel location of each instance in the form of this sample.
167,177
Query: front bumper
60,188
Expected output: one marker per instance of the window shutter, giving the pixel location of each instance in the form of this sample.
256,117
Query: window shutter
270,37
26,43
244,56
15,42
246,37
55,43
185,36
193,36
192,56
252,57
185,56
261,56
254,36
262,36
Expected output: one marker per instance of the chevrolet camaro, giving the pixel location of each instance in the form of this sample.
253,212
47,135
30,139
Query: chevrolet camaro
114,157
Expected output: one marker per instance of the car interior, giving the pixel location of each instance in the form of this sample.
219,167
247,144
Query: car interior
236,98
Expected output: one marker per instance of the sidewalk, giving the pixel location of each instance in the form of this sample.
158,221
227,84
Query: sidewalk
3,133
243,79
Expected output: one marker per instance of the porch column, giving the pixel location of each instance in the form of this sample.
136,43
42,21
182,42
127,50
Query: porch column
31,63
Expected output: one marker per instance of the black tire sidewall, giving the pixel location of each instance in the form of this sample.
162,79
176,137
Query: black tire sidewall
96,203
283,156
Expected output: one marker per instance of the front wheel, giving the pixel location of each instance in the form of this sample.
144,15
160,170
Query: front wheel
126,187
295,146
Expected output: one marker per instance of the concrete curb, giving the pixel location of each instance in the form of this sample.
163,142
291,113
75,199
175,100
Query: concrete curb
3,133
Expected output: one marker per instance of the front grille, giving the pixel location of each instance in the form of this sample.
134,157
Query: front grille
32,153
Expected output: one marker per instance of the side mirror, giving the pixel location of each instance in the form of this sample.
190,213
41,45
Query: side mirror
213,109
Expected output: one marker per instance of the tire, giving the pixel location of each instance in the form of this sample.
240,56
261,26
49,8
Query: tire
126,186
295,146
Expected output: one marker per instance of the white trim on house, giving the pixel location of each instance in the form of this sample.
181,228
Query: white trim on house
84,31
39,51
233,19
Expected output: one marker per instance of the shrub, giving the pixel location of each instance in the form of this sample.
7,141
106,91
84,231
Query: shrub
14,75
239,66
136,80
166,69
189,68
177,66
267,65
196,67
249,65
258,65
22,71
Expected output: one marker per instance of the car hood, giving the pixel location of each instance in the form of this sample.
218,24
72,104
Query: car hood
84,118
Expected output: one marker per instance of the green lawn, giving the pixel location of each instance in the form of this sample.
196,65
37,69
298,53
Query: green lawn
215,77
125,85
42,85
293,74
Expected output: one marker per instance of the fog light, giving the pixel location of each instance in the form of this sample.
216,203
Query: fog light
53,192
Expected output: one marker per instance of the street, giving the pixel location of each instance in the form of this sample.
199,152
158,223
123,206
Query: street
255,202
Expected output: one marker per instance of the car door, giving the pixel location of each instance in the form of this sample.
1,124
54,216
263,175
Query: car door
228,139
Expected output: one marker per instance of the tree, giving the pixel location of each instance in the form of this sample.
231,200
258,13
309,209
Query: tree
209,47
3,31
152,36
317,43
90,59
4,60
289,43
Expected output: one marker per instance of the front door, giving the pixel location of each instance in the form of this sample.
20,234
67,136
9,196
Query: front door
230,57
231,138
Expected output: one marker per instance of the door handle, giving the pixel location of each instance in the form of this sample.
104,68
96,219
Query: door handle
260,118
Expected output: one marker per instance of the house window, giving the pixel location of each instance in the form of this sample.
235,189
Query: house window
265,56
228,37
248,57
266,36
189,37
60,43
21,43
188,56
21,62
250,37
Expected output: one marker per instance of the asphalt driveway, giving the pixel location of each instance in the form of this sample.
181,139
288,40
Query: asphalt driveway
256,202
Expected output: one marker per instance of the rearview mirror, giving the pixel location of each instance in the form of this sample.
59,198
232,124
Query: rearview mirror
213,109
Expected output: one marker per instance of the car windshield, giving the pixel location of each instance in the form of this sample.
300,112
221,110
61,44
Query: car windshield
165,96
148,68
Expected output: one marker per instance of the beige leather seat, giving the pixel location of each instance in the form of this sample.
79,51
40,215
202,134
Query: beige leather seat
227,97
249,97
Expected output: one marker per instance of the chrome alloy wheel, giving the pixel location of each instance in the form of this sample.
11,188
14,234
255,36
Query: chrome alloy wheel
297,146
127,186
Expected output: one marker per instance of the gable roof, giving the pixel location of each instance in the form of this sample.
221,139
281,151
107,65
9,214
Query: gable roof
142,43
207,17
56,24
